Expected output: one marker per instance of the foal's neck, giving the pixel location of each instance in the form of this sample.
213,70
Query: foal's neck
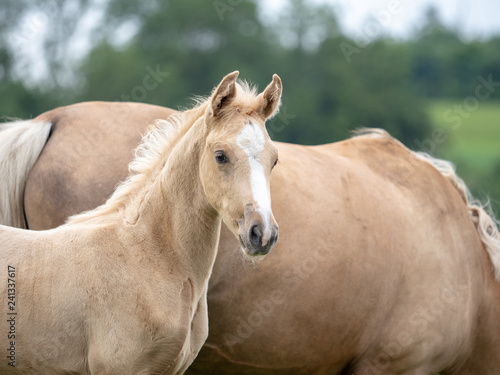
172,214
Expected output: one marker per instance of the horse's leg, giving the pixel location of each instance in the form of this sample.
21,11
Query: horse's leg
198,334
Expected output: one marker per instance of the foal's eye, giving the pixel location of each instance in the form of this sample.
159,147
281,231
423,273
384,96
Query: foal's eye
221,158
275,162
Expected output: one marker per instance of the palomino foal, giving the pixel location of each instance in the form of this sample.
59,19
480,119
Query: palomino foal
122,289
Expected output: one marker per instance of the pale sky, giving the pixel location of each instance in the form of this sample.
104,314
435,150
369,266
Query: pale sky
477,18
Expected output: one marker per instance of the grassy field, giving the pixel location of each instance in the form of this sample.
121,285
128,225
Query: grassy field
473,136
471,141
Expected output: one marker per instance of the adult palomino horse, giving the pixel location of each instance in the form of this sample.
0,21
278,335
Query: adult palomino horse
382,265
123,287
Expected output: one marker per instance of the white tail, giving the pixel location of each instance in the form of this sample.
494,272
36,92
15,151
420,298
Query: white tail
21,142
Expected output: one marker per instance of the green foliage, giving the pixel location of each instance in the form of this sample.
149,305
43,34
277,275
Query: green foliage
186,40
22,103
326,95
444,65
332,85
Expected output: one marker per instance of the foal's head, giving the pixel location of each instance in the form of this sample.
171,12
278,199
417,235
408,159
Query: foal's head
237,161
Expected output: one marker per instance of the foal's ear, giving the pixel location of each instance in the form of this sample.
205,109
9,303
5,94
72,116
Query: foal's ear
270,99
224,93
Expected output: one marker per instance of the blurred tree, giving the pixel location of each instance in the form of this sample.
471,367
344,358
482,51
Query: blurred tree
193,44
53,25
16,100
37,68
332,95
190,46
431,50
444,65
164,51
301,26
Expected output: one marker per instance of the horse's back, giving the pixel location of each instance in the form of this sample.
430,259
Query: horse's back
379,267
101,138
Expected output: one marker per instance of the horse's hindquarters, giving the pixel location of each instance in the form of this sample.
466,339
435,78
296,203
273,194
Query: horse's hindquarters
86,156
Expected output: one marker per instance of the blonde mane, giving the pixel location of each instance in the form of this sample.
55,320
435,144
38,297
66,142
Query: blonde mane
157,144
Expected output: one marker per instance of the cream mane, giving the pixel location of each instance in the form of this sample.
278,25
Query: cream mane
156,145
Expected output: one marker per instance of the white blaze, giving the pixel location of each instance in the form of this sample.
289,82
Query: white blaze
252,141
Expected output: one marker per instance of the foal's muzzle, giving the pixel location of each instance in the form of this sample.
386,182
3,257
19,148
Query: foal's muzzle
258,232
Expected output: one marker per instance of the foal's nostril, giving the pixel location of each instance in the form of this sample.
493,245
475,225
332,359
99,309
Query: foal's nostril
255,235
274,239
